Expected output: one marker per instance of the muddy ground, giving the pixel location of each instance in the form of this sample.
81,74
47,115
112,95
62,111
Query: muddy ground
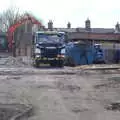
63,93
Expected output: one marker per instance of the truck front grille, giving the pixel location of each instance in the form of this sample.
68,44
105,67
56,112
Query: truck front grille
49,53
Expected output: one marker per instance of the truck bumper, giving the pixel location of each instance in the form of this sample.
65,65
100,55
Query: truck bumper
102,61
47,60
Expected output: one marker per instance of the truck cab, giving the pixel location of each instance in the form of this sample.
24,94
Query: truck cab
49,48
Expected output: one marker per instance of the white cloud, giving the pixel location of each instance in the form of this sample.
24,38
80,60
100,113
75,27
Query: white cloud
4,4
102,13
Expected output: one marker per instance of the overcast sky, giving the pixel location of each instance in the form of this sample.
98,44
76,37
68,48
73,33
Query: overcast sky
102,13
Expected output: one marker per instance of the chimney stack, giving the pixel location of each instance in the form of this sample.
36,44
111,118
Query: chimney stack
50,25
77,29
117,27
88,25
69,25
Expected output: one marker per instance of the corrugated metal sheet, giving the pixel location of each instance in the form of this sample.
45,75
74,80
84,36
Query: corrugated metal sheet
93,36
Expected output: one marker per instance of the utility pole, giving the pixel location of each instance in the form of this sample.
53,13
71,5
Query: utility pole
13,47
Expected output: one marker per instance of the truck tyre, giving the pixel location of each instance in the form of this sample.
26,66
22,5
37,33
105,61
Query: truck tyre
61,63
36,64
69,62
53,64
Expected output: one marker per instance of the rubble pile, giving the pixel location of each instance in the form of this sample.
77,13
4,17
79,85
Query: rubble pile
113,106
15,111
6,114
18,61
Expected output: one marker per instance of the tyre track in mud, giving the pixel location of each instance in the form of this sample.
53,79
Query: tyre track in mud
59,93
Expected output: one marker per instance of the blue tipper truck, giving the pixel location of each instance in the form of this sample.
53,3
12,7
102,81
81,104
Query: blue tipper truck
49,48
81,53
98,54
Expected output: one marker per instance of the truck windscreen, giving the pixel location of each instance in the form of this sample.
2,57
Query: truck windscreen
50,38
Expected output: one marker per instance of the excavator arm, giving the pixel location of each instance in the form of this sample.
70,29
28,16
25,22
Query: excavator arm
22,21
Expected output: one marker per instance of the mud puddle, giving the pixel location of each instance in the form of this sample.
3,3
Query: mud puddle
14,111
112,82
113,106
68,87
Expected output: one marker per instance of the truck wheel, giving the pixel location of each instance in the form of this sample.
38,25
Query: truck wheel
69,62
102,62
52,64
61,64
36,64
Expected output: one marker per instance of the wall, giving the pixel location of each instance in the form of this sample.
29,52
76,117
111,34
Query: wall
25,46
109,49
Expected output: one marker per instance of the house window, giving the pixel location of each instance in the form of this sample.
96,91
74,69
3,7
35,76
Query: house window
3,44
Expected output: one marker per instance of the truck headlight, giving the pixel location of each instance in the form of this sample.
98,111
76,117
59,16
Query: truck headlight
63,51
37,51
37,56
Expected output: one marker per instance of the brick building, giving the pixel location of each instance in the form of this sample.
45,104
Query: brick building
109,38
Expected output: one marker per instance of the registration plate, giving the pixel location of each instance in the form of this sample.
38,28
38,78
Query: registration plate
51,58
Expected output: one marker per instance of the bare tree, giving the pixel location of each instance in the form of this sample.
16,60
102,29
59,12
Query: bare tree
12,16
8,18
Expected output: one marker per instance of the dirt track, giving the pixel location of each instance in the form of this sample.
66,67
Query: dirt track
63,94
